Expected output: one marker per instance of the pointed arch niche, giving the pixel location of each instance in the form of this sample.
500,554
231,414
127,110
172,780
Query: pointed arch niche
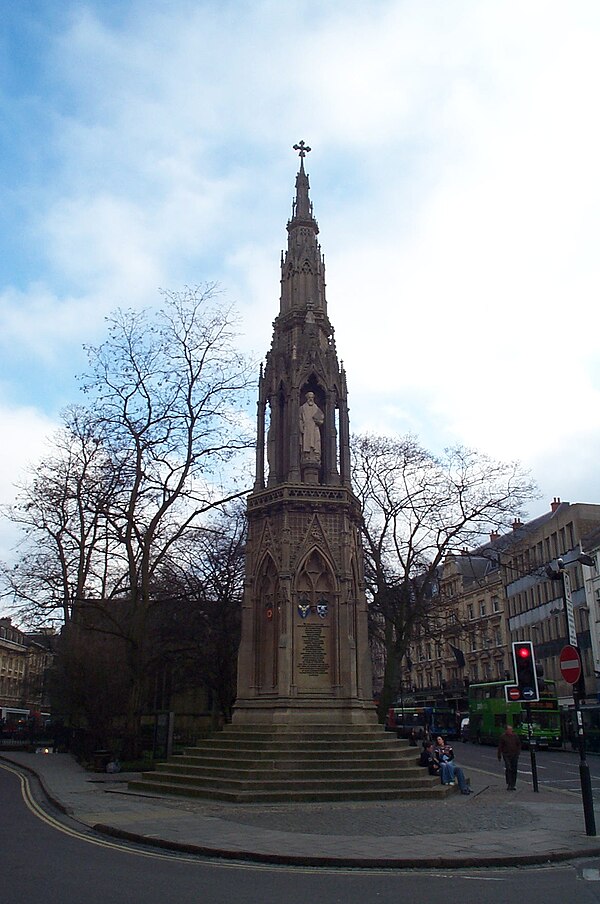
315,625
267,623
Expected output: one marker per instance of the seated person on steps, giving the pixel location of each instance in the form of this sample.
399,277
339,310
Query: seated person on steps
448,769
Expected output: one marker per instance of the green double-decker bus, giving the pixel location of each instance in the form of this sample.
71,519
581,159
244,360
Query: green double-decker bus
490,713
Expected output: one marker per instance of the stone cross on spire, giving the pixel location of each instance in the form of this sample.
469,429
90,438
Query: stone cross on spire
303,149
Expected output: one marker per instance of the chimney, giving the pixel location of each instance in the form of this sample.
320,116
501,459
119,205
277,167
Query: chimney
555,503
494,535
517,523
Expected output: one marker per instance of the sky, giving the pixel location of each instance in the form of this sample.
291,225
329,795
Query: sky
455,176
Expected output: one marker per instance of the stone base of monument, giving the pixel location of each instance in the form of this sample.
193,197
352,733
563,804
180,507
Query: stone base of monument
314,763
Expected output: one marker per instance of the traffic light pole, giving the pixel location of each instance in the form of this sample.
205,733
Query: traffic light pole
584,769
531,739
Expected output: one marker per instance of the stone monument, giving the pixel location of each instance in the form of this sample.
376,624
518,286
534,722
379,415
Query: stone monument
304,654
304,725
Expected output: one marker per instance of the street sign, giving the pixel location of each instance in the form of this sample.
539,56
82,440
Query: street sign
569,611
512,692
570,664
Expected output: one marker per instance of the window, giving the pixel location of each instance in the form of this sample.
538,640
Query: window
470,611
495,604
482,608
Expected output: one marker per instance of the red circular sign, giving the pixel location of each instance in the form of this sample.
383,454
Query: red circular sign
570,664
514,693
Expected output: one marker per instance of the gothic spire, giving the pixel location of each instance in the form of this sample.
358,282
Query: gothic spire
302,267
302,209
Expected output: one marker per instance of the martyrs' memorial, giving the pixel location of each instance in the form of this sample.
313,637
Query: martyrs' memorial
304,655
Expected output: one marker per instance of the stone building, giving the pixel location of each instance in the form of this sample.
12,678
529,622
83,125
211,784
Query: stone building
476,639
24,662
534,602
592,601
501,592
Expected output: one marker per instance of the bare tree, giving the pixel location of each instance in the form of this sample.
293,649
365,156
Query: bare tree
61,510
138,470
417,509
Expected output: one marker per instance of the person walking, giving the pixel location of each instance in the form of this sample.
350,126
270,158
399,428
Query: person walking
509,748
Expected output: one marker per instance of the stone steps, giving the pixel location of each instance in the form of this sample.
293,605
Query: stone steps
434,791
311,763
297,782
271,770
268,760
303,748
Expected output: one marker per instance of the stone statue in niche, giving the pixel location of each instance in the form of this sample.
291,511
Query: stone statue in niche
311,418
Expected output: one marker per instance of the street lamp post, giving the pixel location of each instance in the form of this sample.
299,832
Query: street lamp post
584,770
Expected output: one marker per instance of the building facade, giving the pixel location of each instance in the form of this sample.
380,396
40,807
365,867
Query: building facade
24,662
504,592
535,609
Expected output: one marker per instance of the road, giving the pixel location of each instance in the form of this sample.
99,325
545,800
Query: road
48,858
557,769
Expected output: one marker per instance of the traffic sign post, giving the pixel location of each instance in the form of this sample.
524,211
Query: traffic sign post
570,668
570,661
569,611
525,690
534,773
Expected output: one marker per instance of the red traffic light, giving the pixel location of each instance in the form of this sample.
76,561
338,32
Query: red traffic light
525,672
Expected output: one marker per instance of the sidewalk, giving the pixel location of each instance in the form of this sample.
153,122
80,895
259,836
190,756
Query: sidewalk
489,827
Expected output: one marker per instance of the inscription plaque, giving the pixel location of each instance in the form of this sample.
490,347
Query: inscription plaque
312,656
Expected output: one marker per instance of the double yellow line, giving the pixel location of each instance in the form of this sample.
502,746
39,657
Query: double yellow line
37,810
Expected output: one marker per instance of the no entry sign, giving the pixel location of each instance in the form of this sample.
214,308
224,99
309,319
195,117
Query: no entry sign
512,693
570,664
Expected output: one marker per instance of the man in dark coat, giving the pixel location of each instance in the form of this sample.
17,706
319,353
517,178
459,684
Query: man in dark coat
509,748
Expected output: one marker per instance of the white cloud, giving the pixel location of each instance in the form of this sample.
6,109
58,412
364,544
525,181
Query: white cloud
25,433
454,175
